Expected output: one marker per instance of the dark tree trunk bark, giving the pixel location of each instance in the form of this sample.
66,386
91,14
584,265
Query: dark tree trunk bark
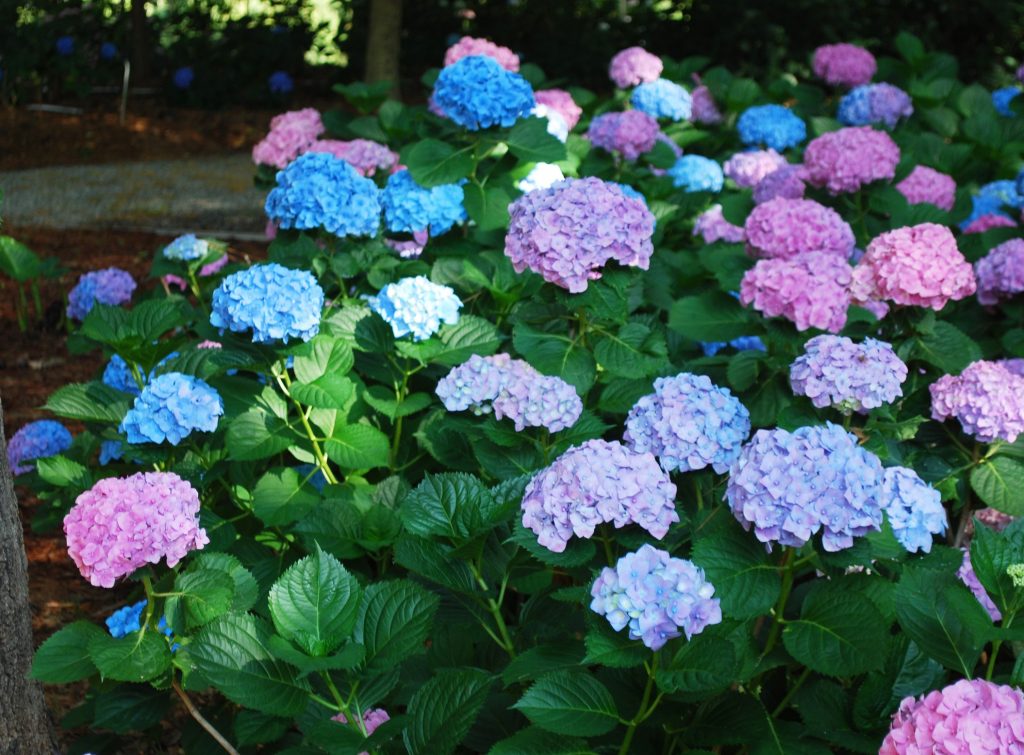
383,43
25,725
142,50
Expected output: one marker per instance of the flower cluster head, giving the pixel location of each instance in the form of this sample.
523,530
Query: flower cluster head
171,407
541,176
598,481
925,184
417,306
366,156
743,343
280,82
970,579
696,173
785,183
655,595
126,620
108,51
844,64
65,45
477,93
749,168
118,375
712,226
511,388
561,102
914,509
322,191
123,523
989,221
788,227
409,208
875,104
290,135
851,377
276,303
568,232
704,109
469,46
845,160
1002,99
633,66
372,720
183,77
689,423
772,126
811,290
36,440
1000,273
662,98
987,398
788,486
630,133
186,248
916,265
111,286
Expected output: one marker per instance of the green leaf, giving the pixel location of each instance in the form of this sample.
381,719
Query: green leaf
206,594
540,660
998,481
383,400
432,162
17,261
947,347
910,47
254,728
487,207
576,553
711,316
139,657
570,702
64,657
326,392
315,603
255,435
327,356
63,472
434,561
634,352
613,649
470,335
745,580
744,368
89,402
704,665
346,659
991,554
530,141
358,447
442,711
280,498
453,505
394,621
130,707
232,654
534,741
556,354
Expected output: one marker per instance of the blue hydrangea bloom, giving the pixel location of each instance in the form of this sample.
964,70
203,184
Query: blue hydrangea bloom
914,509
279,82
1020,183
879,103
127,620
65,45
275,302
476,93
630,192
743,343
417,306
655,595
772,126
409,208
118,375
108,51
36,440
696,173
662,99
111,286
170,408
319,190
1002,98
186,248
981,206
110,450
183,77
1004,191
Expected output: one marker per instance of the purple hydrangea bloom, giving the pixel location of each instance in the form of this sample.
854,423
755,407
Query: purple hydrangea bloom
969,578
844,161
844,64
36,440
633,66
749,168
914,509
1000,273
662,99
568,232
875,104
987,398
689,423
275,302
789,486
788,227
630,133
704,109
785,183
111,286
696,173
366,156
772,126
476,93
712,226
170,408
417,306
595,482
656,595
834,371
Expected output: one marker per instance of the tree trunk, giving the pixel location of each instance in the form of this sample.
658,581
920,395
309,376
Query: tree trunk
25,725
142,50
383,43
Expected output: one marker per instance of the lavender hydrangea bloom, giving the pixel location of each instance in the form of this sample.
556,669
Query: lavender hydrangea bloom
696,173
476,93
914,509
987,398
789,486
656,595
790,227
633,66
1000,273
410,208
785,183
851,377
749,168
969,578
36,440
630,133
712,226
417,306
662,99
595,482
875,104
772,126
319,190
111,286
275,302
743,343
704,108
170,408
186,248
689,423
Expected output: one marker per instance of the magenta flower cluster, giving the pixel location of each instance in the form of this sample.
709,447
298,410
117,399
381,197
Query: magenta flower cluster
561,102
788,227
851,377
748,169
811,290
121,524
785,183
468,46
712,226
925,184
844,64
987,398
633,66
1000,273
596,482
290,135
630,133
843,161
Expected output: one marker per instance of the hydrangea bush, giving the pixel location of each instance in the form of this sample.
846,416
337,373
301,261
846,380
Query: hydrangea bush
669,436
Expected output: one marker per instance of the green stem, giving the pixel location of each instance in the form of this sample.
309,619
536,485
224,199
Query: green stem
787,585
643,712
504,639
285,382
996,645
609,556
700,498
147,585
792,691
400,394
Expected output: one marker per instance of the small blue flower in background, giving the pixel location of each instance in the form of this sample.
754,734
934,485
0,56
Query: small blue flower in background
127,620
183,77
772,126
417,306
118,375
875,104
65,45
275,302
696,173
1001,99
409,208
743,343
170,408
108,51
111,286
1005,192
110,450
663,99
279,82
186,248
313,476
36,440
476,93
914,509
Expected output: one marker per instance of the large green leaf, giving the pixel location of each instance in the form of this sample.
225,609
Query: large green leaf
245,591
280,497
255,435
138,657
991,554
64,657
17,261
130,707
89,402
358,447
63,472
327,355
636,351
442,710
704,665
570,702
394,622
530,141
536,741
711,316
326,392
556,354
470,335
488,207
947,347
745,579
432,162
454,505
998,481
204,594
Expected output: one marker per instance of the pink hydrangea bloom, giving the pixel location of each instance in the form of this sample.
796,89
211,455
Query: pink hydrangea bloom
561,102
633,66
475,46
927,185
373,718
712,226
844,64
786,227
987,399
811,290
1000,273
703,107
988,222
630,133
845,160
916,265
121,524
748,169
785,183
208,345
366,156
290,135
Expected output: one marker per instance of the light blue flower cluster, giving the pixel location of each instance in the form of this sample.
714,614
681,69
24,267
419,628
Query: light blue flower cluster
319,190
111,286
789,486
127,620
275,302
1001,99
696,173
875,103
655,595
914,509
743,343
851,377
477,93
118,375
409,208
663,99
36,440
171,407
186,248
417,306
772,126
1004,192
689,423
